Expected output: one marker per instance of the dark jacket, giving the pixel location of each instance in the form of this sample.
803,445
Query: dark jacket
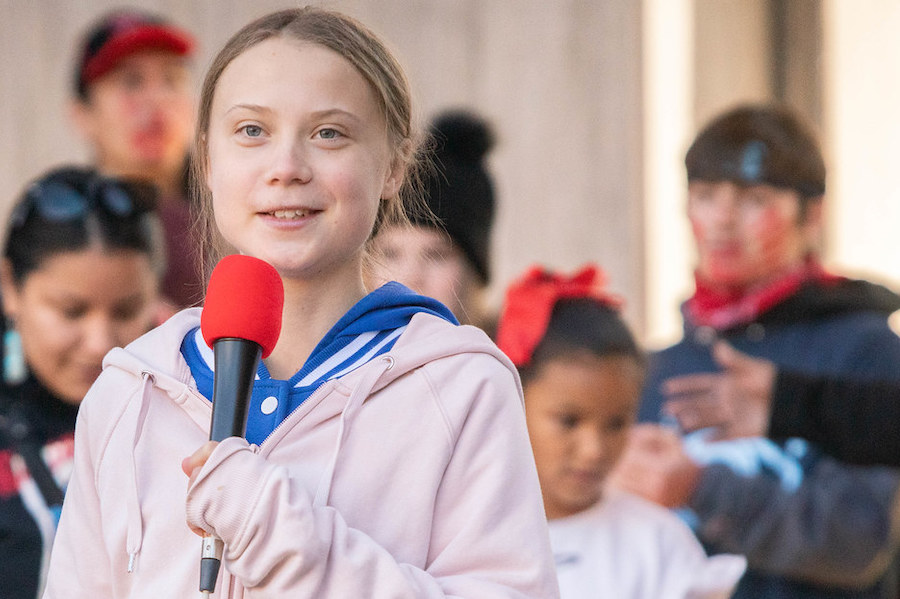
854,421
811,527
36,443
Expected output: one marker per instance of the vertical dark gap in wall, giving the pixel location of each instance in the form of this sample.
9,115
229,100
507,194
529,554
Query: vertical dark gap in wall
796,54
778,35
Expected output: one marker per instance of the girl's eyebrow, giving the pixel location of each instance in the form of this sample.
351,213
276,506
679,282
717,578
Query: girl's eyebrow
332,112
316,115
251,107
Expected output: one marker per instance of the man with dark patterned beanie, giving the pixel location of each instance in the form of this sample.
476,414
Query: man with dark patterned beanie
810,526
445,252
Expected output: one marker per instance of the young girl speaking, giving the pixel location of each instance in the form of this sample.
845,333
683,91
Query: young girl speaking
388,454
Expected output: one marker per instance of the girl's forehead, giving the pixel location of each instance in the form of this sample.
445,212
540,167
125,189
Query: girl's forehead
290,72
280,56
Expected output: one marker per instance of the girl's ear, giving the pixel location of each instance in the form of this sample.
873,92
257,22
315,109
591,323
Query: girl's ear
394,180
399,164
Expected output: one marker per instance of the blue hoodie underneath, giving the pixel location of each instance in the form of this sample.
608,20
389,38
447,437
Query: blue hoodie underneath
369,329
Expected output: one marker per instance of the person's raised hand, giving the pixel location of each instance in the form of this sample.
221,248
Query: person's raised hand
655,466
736,402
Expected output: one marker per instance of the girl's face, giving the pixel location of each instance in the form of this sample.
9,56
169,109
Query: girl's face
74,309
299,158
579,411
428,262
748,235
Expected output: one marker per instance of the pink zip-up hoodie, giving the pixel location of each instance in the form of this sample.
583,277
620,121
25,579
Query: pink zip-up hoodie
411,476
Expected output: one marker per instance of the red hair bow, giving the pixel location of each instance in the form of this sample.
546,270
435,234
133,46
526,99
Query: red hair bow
530,301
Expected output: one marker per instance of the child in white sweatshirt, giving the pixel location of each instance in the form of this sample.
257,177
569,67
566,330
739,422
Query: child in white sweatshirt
581,372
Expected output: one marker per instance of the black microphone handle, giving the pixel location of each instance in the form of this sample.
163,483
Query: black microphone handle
236,361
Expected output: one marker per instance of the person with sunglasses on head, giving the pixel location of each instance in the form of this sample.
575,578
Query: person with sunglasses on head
79,276
133,104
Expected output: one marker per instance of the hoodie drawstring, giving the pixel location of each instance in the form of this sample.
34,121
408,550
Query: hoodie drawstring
135,535
355,401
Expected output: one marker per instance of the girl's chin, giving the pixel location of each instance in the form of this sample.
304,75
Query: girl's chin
73,399
583,499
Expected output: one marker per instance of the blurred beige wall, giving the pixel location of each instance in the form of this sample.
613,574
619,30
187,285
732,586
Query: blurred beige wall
862,117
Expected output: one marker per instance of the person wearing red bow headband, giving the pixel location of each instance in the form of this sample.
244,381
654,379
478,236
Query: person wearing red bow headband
582,372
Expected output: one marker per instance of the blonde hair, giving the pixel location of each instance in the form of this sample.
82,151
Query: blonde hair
363,49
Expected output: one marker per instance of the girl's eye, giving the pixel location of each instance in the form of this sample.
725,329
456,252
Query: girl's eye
617,424
176,78
132,80
73,312
568,421
329,134
252,130
128,310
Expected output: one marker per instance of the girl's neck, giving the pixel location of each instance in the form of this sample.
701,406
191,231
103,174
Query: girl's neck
311,308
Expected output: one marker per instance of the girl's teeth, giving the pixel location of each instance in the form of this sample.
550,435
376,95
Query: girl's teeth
289,214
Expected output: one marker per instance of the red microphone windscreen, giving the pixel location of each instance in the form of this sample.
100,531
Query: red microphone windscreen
244,299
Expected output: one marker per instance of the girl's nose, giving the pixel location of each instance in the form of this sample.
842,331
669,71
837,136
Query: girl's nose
592,446
289,165
99,336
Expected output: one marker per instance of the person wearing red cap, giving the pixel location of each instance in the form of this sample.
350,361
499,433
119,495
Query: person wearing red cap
134,105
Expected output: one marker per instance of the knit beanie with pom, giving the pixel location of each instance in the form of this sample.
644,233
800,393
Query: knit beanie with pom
459,192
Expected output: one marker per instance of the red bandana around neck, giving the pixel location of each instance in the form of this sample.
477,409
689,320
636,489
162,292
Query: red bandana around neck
724,310
530,300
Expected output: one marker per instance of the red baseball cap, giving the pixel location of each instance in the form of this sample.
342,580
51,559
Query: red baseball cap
123,33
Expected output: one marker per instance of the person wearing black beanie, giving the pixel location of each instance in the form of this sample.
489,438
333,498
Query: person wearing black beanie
445,252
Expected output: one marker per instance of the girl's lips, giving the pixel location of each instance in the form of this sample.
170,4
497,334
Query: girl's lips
290,213
288,217
587,477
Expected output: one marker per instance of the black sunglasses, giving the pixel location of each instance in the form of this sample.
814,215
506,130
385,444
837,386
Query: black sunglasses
58,202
